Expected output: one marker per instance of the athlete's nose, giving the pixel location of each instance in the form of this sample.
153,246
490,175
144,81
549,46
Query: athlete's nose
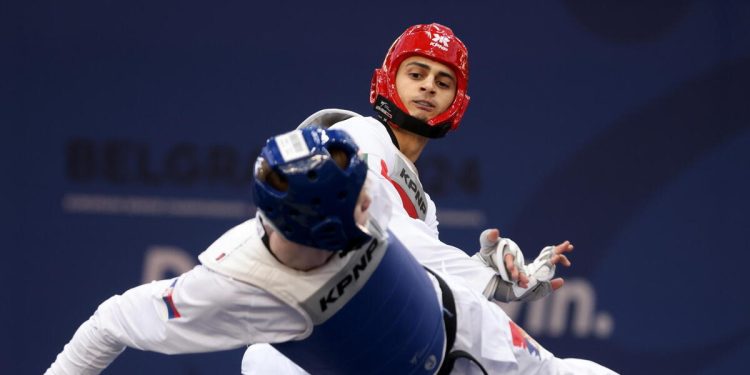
428,85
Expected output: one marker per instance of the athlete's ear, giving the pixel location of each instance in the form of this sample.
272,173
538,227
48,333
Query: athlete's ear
360,210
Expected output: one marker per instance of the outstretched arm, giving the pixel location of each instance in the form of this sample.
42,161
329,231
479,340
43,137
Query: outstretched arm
486,273
200,311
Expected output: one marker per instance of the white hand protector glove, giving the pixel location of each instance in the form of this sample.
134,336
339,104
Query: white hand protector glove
539,272
492,253
542,269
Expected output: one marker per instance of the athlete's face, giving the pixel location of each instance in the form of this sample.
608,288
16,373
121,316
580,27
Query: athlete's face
426,87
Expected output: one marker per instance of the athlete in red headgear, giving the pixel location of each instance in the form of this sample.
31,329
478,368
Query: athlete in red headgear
420,93
437,44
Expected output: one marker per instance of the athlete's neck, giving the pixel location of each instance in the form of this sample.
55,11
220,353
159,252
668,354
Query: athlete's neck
294,255
410,144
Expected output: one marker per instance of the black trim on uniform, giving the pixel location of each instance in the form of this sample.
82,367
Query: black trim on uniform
387,112
391,134
450,319
265,239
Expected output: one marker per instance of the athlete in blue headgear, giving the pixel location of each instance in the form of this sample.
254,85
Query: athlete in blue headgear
316,275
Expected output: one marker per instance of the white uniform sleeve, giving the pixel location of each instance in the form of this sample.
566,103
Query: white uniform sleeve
209,312
433,253
431,218
419,239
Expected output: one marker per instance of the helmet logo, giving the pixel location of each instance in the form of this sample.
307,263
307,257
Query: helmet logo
440,41
292,145
383,108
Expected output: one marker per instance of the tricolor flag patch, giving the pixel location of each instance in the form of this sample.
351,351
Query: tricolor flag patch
167,298
522,340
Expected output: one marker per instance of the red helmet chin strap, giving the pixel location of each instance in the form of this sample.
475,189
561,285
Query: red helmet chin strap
388,113
435,42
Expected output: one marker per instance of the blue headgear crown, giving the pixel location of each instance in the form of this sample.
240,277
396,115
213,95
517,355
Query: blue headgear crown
317,206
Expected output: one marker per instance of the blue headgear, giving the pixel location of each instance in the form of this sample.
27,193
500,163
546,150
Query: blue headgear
317,208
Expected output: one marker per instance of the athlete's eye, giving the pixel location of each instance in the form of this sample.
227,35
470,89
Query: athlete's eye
443,84
415,75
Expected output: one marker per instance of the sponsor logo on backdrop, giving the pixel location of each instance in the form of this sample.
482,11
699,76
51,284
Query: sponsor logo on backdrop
571,310
139,164
160,180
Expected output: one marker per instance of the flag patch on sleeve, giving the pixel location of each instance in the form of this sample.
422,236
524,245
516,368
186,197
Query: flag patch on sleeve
167,298
522,340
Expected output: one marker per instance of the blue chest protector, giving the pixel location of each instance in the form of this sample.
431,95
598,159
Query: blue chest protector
393,325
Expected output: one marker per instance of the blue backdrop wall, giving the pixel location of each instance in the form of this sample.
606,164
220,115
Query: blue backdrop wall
621,126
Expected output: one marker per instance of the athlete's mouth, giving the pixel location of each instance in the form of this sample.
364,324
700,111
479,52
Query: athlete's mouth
424,105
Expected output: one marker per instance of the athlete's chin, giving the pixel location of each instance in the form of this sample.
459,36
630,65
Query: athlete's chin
421,115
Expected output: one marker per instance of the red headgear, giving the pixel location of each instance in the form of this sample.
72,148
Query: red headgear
435,42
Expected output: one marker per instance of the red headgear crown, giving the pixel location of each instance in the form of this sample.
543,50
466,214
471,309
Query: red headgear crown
436,42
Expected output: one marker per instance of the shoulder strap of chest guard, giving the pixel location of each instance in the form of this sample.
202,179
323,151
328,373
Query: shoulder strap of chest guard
327,117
